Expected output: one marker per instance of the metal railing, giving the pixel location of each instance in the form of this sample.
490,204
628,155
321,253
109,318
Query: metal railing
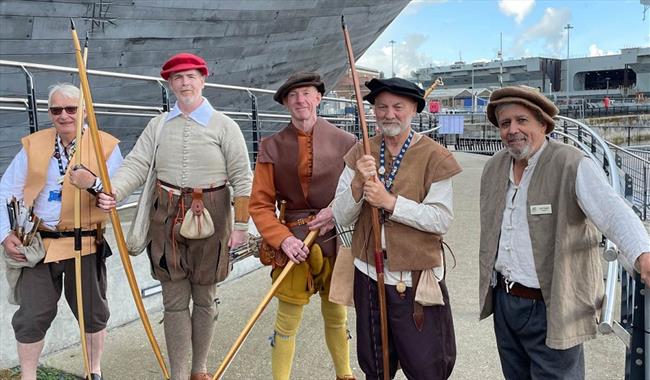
632,168
254,121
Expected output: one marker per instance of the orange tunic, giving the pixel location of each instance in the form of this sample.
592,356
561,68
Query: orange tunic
262,205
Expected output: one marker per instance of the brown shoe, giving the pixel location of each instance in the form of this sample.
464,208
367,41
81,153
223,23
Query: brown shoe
201,376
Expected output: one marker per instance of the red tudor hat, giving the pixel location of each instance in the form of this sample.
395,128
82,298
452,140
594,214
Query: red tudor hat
182,62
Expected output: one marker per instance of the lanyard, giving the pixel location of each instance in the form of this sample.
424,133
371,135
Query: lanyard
388,182
57,155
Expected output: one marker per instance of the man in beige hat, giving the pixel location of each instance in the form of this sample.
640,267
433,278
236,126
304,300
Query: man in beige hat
300,165
187,159
542,205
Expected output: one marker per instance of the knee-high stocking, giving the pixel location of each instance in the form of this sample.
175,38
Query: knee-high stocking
284,339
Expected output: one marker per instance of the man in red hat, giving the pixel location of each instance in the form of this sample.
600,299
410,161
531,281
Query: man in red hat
187,159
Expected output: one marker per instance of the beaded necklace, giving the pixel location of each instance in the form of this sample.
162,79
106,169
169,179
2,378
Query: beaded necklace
388,182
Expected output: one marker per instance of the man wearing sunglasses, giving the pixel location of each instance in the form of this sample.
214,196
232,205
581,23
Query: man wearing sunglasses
42,177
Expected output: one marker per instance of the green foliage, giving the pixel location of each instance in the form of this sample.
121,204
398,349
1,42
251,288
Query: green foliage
43,373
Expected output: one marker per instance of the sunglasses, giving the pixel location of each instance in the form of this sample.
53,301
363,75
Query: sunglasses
70,110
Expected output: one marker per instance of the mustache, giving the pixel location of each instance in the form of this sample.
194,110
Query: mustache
516,137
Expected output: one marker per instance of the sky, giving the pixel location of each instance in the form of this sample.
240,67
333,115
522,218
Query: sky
441,32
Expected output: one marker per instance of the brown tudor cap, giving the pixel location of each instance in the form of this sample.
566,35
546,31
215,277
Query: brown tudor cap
299,79
526,96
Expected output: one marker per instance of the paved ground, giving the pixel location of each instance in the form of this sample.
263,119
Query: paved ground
128,355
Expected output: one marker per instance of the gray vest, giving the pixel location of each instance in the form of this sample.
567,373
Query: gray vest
565,243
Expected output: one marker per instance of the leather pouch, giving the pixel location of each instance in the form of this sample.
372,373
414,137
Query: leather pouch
271,256
197,223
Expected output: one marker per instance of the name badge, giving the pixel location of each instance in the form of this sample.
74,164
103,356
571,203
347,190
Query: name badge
541,210
55,196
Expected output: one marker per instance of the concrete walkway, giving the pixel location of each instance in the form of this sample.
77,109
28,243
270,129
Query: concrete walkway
128,355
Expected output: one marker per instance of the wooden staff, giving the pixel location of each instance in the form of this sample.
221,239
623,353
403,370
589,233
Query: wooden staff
436,83
309,240
376,231
77,230
115,218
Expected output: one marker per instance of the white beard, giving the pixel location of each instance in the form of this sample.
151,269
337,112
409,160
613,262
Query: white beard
520,153
391,130
394,128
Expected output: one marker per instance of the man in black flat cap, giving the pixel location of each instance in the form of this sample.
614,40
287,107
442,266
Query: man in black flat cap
414,195
542,204
300,166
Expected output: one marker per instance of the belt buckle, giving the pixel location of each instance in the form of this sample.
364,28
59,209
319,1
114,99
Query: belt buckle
509,284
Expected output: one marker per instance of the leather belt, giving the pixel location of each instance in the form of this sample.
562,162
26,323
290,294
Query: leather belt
45,234
518,290
185,190
301,221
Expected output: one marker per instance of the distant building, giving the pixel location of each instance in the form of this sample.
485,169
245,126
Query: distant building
344,87
624,76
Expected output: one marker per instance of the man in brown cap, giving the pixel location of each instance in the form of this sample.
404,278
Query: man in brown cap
414,193
187,159
542,204
300,165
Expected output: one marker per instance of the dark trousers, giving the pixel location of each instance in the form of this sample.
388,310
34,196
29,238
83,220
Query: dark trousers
39,289
520,328
429,354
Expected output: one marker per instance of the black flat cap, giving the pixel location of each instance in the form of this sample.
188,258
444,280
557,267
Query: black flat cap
397,86
299,79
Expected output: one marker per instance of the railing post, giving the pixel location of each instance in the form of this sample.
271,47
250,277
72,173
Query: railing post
629,189
593,144
629,129
32,107
566,132
645,192
254,126
635,363
579,133
165,97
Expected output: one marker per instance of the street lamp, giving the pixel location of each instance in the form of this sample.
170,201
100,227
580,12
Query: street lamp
392,56
473,91
568,28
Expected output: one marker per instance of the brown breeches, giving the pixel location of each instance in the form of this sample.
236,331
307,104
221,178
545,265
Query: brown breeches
174,258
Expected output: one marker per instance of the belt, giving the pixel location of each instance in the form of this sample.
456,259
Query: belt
64,234
301,221
186,190
518,290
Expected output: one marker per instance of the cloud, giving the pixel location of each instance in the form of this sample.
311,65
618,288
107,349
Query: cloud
407,57
595,51
548,32
517,8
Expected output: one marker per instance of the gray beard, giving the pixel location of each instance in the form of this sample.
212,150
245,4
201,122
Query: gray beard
391,130
520,154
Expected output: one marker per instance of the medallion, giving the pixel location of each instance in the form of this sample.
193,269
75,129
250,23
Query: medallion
401,287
